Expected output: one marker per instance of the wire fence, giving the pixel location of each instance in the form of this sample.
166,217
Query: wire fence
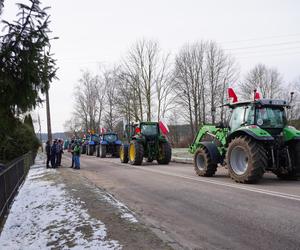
12,176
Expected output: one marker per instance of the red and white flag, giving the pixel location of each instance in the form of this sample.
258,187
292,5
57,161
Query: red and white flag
163,127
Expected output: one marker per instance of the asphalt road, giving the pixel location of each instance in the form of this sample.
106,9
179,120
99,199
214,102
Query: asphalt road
191,212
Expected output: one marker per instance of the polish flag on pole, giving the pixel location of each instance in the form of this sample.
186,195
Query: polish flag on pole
163,127
232,96
257,96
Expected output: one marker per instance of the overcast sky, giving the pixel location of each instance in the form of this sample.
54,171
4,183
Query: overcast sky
98,31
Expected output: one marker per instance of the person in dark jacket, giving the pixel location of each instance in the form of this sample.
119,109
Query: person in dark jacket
53,154
48,153
72,146
59,151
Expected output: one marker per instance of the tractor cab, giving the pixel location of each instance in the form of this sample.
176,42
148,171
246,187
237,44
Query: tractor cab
149,129
110,137
267,114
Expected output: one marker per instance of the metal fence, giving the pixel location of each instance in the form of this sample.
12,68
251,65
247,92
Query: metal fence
11,177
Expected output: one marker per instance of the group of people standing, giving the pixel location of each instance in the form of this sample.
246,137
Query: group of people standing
54,153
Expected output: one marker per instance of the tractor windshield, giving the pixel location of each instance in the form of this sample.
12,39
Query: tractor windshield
270,117
149,129
95,138
110,137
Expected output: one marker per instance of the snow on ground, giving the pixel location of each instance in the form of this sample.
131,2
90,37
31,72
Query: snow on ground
125,211
45,216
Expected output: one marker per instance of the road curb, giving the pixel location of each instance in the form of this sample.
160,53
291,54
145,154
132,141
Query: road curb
182,160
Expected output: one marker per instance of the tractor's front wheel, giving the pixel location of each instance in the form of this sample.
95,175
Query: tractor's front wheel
136,153
102,151
165,153
124,153
246,160
203,163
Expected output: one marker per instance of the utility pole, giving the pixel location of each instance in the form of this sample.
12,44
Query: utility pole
40,131
48,117
47,101
47,94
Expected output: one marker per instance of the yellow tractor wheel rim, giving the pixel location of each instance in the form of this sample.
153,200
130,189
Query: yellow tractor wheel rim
132,152
122,153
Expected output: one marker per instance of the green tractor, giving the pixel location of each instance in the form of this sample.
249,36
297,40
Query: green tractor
257,139
145,141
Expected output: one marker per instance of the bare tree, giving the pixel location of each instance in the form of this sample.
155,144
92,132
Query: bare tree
293,113
86,102
267,81
189,82
220,71
163,88
111,117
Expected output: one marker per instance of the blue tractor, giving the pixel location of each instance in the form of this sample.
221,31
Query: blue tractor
92,143
109,144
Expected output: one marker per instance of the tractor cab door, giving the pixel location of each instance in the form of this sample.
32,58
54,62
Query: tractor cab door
241,116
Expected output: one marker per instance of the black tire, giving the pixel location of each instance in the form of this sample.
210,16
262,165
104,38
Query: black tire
124,153
87,149
97,151
91,150
294,149
203,164
165,153
116,152
135,153
102,151
83,149
246,160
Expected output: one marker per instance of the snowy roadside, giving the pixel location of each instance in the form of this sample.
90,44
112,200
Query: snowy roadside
45,216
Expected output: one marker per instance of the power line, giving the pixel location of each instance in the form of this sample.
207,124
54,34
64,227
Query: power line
264,45
272,50
268,55
261,38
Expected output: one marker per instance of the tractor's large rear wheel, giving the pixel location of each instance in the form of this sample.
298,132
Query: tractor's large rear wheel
246,160
136,153
91,150
102,151
165,153
97,150
83,149
203,164
124,153
116,152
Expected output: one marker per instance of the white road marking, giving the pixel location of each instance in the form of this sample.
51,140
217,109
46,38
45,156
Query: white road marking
219,183
205,180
